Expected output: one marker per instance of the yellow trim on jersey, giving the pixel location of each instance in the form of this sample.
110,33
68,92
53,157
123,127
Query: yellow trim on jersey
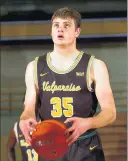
64,71
88,74
35,71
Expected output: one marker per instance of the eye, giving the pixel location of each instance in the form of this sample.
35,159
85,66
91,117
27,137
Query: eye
56,25
66,25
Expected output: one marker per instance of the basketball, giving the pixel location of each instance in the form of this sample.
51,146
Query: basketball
49,139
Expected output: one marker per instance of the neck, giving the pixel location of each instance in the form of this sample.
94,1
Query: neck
65,50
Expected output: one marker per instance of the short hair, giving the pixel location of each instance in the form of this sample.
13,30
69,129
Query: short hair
68,13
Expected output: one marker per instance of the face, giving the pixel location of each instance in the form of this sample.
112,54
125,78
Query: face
64,31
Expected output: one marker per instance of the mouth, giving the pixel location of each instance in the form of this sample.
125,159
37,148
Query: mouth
60,37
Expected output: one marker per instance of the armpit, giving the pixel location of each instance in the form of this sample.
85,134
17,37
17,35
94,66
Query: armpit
89,80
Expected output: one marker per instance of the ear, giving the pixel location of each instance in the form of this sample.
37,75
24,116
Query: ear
78,30
51,31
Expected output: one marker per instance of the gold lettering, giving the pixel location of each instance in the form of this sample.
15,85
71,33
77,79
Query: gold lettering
79,73
54,87
23,143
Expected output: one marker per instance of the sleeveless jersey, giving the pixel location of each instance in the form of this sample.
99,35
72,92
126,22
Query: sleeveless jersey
64,94
28,154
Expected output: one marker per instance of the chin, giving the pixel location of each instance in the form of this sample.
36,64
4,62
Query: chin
60,43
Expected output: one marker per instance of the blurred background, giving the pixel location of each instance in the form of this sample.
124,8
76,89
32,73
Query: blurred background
25,34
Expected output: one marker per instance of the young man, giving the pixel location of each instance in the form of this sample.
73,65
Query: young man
69,84
16,136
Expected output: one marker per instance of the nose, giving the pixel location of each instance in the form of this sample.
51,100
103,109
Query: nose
60,29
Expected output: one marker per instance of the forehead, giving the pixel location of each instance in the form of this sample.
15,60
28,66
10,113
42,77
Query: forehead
63,20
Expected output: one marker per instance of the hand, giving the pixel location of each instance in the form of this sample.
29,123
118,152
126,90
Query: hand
79,126
26,127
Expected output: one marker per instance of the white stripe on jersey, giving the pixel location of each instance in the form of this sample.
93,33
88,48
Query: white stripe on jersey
16,131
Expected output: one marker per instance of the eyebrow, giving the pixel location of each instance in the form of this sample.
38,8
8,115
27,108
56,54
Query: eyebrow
63,22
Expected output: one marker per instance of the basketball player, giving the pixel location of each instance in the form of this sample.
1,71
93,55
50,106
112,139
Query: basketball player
16,136
69,83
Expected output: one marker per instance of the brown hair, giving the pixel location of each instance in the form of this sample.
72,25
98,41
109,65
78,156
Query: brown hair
68,13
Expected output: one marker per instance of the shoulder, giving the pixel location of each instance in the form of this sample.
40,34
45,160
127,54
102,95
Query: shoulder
99,65
98,62
30,67
30,64
99,69
29,70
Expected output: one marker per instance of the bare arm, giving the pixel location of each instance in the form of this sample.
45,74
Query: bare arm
104,95
99,75
28,118
30,96
11,146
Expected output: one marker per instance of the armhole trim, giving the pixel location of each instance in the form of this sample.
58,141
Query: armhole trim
88,74
35,71
16,131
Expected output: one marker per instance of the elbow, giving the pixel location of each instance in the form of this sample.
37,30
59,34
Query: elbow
9,148
113,116
113,119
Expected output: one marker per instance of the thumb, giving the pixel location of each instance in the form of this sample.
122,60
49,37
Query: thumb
71,119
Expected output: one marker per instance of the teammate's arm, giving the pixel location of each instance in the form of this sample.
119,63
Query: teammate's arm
104,95
11,146
27,118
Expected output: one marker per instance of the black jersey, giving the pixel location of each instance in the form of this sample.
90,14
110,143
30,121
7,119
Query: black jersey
64,94
28,153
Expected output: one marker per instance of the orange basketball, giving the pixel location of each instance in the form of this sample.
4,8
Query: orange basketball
49,140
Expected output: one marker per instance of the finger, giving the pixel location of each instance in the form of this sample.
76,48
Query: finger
28,141
74,134
28,128
70,130
71,119
28,138
72,138
26,133
72,141
31,129
31,126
